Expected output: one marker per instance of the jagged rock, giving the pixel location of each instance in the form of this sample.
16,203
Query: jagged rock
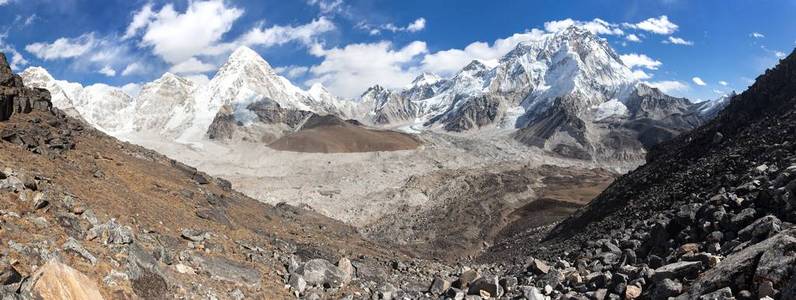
538,267
454,293
344,264
320,272
667,288
761,229
8,274
111,233
194,235
297,283
224,269
677,270
721,294
490,286
509,284
55,280
438,286
386,291
464,280
73,245
741,268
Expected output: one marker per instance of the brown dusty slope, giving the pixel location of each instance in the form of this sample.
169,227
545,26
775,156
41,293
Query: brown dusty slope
329,134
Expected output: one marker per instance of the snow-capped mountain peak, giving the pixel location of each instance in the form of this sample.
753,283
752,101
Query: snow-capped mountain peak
425,79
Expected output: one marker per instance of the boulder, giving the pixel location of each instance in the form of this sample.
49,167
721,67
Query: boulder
464,280
8,274
221,268
761,229
320,272
56,280
297,283
438,286
679,269
667,288
538,267
485,285
344,264
112,233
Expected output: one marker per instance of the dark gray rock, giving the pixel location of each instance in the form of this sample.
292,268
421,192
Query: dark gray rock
677,270
488,285
667,288
438,286
721,294
761,229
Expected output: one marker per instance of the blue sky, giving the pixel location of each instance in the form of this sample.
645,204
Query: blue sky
351,44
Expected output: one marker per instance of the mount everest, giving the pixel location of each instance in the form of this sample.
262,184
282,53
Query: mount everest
567,92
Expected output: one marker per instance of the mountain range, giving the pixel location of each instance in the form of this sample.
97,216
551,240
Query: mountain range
566,92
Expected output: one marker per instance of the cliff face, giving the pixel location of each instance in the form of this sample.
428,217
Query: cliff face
15,97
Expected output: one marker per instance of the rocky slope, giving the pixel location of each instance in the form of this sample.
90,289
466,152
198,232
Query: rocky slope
708,217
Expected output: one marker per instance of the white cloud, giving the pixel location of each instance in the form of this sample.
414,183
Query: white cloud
63,47
641,75
292,71
417,25
698,81
678,41
178,36
449,61
280,35
722,82
15,59
135,68
350,70
660,25
107,71
757,35
633,60
780,54
596,26
29,20
140,20
191,66
668,86
633,38
327,6
4,2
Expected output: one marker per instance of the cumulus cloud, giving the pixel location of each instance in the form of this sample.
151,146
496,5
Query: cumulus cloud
633,60
140,20
63,47
633,38
757,35
447,62
178,36
292,71
348,71
191,66
280,35
659,25
668,86
417,25
135,68
107,71
678,41
698,81
641,75
596,26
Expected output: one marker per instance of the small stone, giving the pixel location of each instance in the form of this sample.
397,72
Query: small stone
632,292
39,201
509,284
538,267
193,235
184,269
348,269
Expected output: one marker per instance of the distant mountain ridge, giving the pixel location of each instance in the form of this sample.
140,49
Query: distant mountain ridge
567,92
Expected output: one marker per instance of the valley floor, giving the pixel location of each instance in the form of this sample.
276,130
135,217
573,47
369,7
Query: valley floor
405,187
